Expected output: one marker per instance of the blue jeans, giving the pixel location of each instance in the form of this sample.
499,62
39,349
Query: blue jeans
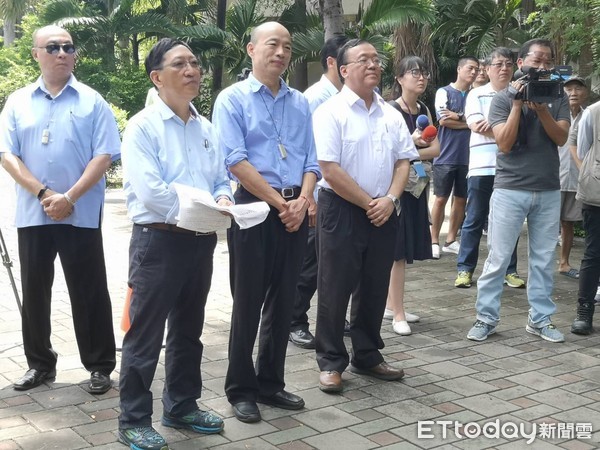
508,211
478,206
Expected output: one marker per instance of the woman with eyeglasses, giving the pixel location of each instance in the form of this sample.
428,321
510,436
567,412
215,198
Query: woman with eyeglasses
413,241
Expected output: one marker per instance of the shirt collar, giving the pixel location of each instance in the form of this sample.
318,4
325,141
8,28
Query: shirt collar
351,97
256,86
71,83
328,85
167,113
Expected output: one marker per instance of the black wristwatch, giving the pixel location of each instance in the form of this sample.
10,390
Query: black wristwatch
42,192
461,115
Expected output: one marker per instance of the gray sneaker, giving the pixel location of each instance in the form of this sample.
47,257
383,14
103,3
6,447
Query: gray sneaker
142,438
549,332
480,331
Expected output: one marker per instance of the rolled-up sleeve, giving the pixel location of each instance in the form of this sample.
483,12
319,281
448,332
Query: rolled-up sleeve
227,118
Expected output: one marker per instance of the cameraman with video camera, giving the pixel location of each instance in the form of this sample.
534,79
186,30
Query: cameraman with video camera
526,186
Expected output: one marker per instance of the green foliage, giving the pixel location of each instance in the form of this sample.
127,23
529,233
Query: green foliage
563,22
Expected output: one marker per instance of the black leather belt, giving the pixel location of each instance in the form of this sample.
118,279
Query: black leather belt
174,229
290,192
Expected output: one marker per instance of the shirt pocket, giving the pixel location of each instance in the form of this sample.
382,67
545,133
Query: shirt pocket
81,129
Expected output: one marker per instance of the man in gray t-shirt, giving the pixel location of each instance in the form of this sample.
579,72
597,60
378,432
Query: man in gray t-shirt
526,187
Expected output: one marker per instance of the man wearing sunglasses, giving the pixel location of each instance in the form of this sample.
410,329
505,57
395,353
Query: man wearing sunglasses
57,139
526,187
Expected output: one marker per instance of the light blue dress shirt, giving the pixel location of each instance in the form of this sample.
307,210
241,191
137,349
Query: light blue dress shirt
251,123
319,92
79,126
160,149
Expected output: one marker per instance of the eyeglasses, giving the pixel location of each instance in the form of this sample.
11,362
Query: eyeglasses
541,57
366,62
54,49
181,64
418,73
499,65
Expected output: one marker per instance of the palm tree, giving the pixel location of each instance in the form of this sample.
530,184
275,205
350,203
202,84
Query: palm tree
476,27
104,25
11,13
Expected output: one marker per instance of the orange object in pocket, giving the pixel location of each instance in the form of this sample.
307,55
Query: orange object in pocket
125,320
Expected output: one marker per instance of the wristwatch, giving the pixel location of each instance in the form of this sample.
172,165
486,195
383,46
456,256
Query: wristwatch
396,202
461,115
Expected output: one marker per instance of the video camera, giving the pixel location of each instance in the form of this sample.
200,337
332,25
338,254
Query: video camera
541,86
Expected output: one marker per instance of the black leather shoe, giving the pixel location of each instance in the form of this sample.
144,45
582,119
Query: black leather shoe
302,339
99,383
33,378
246,412
283,400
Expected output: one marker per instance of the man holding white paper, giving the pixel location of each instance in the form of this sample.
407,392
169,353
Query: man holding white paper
170,267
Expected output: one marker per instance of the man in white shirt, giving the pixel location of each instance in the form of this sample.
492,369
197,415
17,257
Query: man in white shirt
363,148
482,168
327,86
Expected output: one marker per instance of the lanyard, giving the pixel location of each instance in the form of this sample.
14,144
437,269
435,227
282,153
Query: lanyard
280,145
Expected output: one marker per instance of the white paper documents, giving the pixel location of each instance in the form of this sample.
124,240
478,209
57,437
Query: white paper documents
198,211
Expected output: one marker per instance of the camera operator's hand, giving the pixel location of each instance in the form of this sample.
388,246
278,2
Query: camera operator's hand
515,88
534,106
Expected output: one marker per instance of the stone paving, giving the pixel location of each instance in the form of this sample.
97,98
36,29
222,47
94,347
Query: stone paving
513,377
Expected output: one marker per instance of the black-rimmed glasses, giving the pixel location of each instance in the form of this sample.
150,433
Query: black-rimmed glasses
418,73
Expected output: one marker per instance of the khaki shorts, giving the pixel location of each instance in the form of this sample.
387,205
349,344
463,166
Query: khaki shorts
570,207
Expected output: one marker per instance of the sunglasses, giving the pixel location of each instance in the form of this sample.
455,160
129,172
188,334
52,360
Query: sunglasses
54,49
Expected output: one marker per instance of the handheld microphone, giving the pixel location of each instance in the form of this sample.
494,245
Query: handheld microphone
48,97
429,133
422,122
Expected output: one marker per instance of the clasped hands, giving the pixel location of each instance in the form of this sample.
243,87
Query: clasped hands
56,206
294,211
380,210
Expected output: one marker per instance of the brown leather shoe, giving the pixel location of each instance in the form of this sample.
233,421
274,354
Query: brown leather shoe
330,381
382,371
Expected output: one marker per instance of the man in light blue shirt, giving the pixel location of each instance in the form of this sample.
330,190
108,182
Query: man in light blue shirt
57,139
326,87
170,268
266,133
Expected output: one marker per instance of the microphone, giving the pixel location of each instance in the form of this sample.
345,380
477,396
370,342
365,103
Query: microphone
523,72
429,133
48,97
422,122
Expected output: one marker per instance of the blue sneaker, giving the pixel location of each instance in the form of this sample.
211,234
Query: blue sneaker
480,331
198,421
549,332
142,438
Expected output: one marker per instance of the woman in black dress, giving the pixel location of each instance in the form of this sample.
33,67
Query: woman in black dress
414,238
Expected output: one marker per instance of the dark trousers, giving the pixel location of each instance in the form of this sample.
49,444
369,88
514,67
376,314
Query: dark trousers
589,272
307,285
480,190
355,257
82,259
170,274
264,265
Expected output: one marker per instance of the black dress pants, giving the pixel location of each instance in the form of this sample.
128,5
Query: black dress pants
82,259
355,257
170,274
589,271
307,285
265,263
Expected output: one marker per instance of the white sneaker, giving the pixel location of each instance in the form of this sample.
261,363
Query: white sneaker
435,251
401,327
411,318
453,247
388,314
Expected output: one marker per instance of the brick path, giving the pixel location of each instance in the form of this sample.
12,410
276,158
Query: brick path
513,376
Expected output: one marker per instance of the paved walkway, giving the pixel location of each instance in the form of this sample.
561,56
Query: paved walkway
513,377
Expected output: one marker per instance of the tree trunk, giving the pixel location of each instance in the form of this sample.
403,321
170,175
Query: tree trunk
9,32
299,76
333,17
217,81
135,50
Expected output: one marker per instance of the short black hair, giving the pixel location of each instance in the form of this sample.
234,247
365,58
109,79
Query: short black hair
539,42
462,61
331,48
155,58
341,56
